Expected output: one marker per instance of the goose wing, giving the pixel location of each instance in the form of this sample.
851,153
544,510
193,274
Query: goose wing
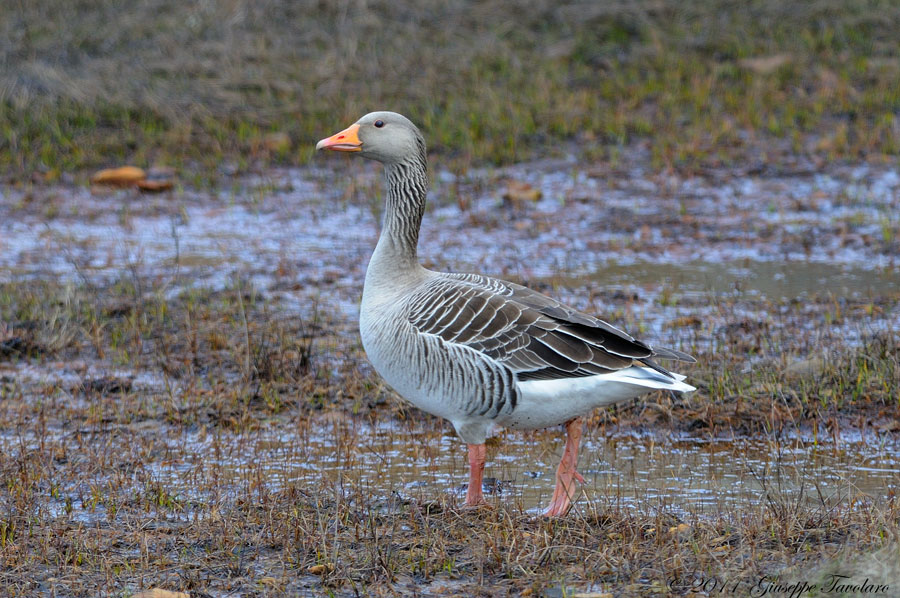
533,335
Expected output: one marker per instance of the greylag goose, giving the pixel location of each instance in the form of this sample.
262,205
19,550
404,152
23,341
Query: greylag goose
478,351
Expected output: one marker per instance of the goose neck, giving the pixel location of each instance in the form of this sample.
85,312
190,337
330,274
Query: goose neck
407,184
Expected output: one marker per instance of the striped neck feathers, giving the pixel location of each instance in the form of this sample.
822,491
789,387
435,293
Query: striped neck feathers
407,184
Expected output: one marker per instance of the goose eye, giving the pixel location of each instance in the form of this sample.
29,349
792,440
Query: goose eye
379,123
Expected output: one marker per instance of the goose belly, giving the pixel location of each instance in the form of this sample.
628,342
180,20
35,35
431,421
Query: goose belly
444,379
405,375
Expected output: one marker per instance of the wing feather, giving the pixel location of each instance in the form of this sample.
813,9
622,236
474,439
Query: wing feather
533,335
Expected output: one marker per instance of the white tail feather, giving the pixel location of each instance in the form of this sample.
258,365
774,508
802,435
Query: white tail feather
649,378
545,403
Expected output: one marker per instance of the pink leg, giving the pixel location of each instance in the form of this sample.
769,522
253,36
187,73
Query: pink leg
565,473
474,496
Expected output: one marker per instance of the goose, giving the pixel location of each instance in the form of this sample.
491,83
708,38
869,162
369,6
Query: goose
478,351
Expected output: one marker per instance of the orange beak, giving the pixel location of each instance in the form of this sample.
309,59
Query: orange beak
345,141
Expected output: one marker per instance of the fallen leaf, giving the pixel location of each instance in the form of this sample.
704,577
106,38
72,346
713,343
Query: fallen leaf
124,176
269,581
159,178
519,193
155,186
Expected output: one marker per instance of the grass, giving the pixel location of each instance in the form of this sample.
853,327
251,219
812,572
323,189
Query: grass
699,83
89,501
237,342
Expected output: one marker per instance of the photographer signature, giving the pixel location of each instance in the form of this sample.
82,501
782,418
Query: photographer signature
773,587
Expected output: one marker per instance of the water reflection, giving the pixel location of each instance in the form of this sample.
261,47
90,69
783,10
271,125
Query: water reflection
679,474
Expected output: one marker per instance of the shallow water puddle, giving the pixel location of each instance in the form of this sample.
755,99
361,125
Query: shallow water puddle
780,236
302,241
683,475
384,462
185,470
771,280
691,475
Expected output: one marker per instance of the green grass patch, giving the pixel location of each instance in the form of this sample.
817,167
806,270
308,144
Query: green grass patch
705,83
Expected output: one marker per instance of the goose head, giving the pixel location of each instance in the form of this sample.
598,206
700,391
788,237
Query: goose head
388,137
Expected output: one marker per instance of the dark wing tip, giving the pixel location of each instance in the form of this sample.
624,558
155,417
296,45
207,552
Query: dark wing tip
655,366
673,354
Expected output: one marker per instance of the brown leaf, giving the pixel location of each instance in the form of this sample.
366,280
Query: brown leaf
519,193
124,176
155,186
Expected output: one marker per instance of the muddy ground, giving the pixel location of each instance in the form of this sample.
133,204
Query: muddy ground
185,403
